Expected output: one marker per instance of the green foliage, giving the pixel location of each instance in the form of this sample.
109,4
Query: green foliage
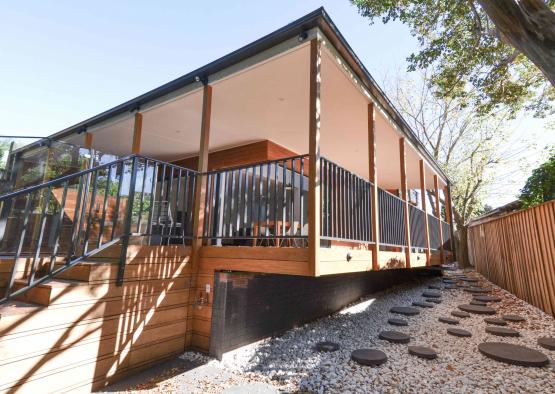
540,186
469,60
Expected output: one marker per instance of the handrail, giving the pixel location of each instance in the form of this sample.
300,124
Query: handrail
258,163
137,184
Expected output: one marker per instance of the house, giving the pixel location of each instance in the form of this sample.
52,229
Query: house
261,190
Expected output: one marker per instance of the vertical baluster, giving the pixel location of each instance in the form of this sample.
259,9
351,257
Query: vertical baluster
232,204
184,205
169,213
141,203
238,202
284,199
276,193
252,198
267,198
301,195
22,234
152,200
57,229
42,224
75,217
83,210
91,212
104,206
292,218
216,232
127,220
259,200
178,198
118,199
246,203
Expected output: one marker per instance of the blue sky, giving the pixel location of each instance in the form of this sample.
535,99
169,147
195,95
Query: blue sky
64,61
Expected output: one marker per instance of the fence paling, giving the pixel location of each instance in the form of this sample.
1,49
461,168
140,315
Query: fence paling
517,252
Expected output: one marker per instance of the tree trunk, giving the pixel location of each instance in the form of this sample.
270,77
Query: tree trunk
529,26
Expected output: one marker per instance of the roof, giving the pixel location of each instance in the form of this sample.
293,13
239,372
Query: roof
318,18
497,212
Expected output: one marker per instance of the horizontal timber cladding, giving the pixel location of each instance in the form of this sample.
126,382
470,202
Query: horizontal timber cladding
517,253
392,219
251,306
89,332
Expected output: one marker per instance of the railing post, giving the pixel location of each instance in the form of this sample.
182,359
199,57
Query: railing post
314,202
423,198
127,222
438,212
404,197
373,176
137,130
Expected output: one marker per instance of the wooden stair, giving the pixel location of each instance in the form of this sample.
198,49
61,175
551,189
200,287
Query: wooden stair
81,331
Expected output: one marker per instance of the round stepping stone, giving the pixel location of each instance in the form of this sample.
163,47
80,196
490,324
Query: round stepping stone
477,290
327,346
547,342
460,314
449,281
422,304
478,309
435,287
448,320
397,322
474,302
404,310
497,322
513,354
450,287
423,352
394,336
502,331
513,318
487,298
431,294
434,300
471,280
459,332
369,357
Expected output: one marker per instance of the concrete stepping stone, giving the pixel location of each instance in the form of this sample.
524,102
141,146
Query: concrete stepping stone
422,304
513,318
502,331
474,302
460,314
431,294
471,280
450,287
449,281
369,357
404,310
394,336
448,320
435,287
477,290
397,322
487,298
459,332
434,300
547,342
495,321
327,346
513,354
423,352
477,309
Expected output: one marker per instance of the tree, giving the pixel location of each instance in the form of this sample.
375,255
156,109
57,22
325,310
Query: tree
488,53
540,186
466,146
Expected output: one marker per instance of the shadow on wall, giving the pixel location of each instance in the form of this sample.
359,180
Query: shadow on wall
94,332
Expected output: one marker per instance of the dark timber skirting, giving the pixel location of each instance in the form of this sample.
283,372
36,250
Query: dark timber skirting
249,306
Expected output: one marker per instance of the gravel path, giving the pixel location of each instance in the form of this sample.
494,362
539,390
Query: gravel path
289,363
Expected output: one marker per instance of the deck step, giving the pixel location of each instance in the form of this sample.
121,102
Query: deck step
45,293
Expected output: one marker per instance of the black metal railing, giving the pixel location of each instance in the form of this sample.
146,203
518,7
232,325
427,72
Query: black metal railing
346,204
391,219
446,232
59,223
433,231
417,220
262,204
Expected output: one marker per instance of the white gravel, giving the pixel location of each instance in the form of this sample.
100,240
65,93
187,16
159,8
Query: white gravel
289,362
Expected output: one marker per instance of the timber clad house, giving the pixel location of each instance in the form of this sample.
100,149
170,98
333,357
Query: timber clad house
265,189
